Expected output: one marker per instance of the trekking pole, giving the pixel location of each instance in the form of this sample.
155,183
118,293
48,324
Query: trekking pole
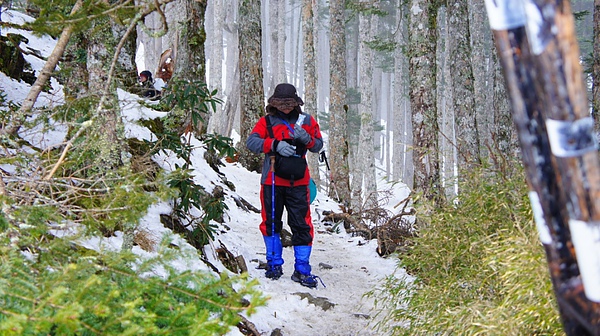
273,205
323,158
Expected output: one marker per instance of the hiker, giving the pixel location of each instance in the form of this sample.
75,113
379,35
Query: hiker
147,85
284,135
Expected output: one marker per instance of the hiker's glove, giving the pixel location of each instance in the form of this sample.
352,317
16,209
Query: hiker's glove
285,149
300,135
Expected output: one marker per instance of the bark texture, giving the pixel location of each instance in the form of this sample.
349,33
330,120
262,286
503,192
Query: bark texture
365,168
338,144
216,64
422,39
596,69
462,84
251,75
310,76
402,155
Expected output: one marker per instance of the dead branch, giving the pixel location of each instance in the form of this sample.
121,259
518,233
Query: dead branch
42,78
247,328
392,231
245,205
350,223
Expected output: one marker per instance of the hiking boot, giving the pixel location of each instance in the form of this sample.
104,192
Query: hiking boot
274,272
306,280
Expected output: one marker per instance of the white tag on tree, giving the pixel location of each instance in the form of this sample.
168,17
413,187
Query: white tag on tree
505,14
586,239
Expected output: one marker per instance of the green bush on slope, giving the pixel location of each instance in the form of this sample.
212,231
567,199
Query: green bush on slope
51,286
480,268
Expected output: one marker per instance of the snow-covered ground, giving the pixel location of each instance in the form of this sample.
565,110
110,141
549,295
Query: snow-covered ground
348,266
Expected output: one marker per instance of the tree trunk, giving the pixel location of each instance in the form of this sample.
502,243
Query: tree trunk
402,158
216,122
338,144
281,39
107,130
216,63
74,75
251,79
191,61
42,78
503,134
550,109
310,76
422,39
447,138
273,45
462,87
563,182
231,111
352,59
596,69
483,74
364,177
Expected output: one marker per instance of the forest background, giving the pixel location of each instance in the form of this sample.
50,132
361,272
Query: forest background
355,63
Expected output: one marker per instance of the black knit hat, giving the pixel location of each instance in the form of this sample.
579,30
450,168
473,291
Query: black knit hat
146,74
285,90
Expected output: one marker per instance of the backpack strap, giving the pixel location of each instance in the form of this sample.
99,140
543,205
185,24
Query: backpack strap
271,134
269,127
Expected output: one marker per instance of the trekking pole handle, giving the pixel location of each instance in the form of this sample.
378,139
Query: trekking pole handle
272,163
323,158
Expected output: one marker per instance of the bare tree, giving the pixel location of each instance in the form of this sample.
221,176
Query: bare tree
402,152
364,177
273,34
251,76
462,84
216,122
222,122
310,75
281,39
596,68
216,64
484,67
422,39
191,60
338,144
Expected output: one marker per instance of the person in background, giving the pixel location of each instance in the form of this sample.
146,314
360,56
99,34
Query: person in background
285,135
147,85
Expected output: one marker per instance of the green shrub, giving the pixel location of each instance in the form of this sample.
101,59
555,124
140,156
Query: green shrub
188,100
51,287
479,266
54,286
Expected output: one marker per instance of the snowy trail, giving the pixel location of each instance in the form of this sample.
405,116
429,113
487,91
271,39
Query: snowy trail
355,266
355,269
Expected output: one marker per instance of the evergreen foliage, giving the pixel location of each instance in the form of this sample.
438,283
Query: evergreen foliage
189,100
50,286
197,101
480,268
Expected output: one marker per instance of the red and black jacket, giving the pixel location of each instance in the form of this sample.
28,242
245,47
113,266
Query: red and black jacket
259,141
